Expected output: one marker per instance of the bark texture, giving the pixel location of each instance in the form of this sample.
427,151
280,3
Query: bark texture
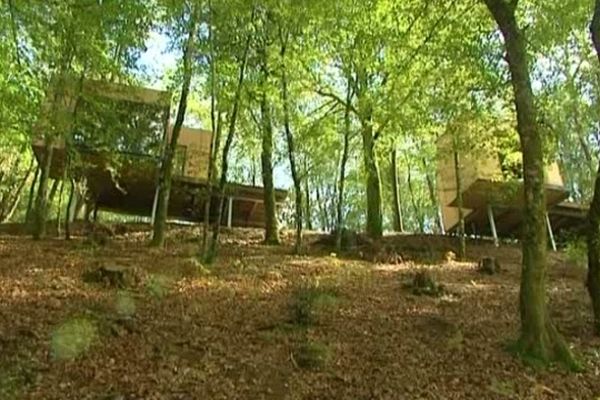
398,222
226,150
373,183
539,340
41,200
216,127
374,226
284,39
462,241
166,173
593,234
266,157
342,177
30,200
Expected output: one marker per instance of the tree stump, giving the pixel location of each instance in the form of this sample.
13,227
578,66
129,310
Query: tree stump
450,256
114,276
424,284
99,235
489,266
386,255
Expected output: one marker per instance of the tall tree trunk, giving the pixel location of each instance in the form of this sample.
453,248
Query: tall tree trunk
17,193
227,149
13,206
30,200
41,201
271,225
398,222
6,195
433,196
14,196
593,234
307,199
216,128
82,193
343,163
284,38
539,337
321,208
373,184
160,223
53,189
374,226
413,199
71,210
462,241
59,207
254,169
12,172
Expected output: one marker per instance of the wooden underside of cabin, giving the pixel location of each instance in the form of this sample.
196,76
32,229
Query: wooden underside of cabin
505,200
133,189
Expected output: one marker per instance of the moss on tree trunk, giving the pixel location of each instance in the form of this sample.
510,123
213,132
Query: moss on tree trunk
373,182
593,242
398,223
266,157
593,233
539,341
41,200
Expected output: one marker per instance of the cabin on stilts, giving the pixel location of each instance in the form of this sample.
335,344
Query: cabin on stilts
114,140
492,190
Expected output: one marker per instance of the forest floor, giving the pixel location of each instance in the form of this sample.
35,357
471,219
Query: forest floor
262,323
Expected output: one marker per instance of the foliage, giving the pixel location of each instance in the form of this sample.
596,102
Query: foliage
125,304
310,302
73,338
312,355
576,252
158,285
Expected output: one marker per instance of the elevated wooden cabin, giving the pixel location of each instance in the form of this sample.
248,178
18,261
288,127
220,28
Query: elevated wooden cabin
493,197
116,139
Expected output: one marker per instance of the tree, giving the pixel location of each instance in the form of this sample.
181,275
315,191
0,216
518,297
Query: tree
593,234
266,158
166,171
539,337
242,63
347,131
284,41
51,43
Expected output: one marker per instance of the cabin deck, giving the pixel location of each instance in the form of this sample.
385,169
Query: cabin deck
132,190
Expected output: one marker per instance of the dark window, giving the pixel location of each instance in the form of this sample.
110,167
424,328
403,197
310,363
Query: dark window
105,124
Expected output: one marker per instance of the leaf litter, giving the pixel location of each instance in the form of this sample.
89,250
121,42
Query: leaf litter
227,332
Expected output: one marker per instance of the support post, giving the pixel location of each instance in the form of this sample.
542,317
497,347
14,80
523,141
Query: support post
72,210
229,211
155,204
490,212
95,212
550,233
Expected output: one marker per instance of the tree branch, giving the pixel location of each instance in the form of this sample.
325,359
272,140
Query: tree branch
337,99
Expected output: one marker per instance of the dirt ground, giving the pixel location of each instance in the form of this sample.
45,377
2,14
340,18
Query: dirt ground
179,330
